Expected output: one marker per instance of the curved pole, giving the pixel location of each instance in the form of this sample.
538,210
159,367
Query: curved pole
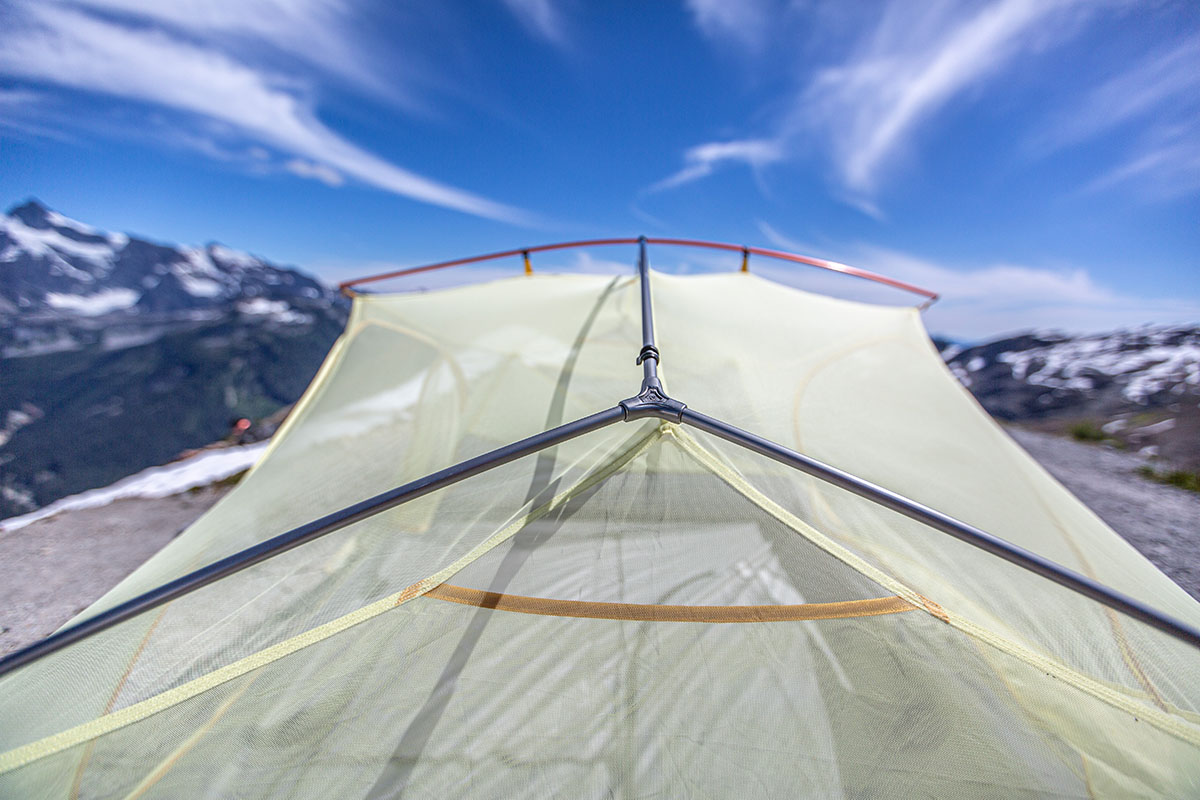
305,533
1008,551
780,255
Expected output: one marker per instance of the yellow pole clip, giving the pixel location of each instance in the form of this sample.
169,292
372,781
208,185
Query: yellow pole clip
745,259
528,266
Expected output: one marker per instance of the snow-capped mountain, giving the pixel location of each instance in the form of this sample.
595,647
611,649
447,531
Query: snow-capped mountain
119,352
54,268
1140,387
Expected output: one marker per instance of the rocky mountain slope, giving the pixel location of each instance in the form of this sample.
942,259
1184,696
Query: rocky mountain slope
117,353
1138,389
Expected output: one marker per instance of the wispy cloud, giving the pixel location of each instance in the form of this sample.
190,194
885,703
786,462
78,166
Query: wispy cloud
541,17
1161,96
746,22
318,32
980,302
915,63
783,241
701,160
319,172
1160,171
910,62
1162,81
129,59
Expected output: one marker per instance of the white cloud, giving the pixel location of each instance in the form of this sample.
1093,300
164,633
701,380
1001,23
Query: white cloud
782,241
147,65
917,61
541,18
747,22
907,63
701,160
319,32
977,303
319,172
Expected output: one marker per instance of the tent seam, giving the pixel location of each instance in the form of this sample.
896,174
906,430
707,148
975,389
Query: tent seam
58,742
353,326
1164,720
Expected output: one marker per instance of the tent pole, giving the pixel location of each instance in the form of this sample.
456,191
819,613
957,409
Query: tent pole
306,533
960,530
648,357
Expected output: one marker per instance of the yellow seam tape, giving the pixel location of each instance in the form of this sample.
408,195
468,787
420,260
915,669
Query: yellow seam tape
1156,717
56,743
653,612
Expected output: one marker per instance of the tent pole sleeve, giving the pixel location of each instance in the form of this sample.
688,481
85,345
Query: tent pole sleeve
960,530
648,357
306,533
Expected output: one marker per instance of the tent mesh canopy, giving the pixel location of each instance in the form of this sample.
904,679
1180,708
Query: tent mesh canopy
642,611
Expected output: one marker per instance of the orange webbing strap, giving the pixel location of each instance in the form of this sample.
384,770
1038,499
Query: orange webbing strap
657,613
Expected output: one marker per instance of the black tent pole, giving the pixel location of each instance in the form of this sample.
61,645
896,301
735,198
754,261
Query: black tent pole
648,357
306,533
947,524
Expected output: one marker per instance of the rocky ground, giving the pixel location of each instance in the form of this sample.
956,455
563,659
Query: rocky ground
56,567
1163,522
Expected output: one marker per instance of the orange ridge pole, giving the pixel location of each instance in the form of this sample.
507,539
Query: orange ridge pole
781,255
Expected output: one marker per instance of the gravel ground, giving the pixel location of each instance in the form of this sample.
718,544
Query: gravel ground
1163,522
58,566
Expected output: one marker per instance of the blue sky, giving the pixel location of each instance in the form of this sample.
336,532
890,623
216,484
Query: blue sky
1036,161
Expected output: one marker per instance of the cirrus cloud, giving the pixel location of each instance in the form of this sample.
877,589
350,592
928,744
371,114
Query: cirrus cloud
126,58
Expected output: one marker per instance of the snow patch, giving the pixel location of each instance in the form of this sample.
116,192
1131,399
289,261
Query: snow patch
278,310
200,470
197,273
49,242
228,255
963,376
1147,361
17,419
1156,428
91,305
199,287
59,221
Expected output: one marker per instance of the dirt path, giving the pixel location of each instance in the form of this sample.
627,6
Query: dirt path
56,567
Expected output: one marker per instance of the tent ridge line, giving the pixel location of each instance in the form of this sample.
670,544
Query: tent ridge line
1172,721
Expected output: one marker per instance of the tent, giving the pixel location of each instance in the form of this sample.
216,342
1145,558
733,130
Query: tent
479,561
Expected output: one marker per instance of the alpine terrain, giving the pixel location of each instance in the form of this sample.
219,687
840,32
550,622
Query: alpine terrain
1136,389
117,353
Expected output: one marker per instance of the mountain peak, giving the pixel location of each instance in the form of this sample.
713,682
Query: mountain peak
55,268
33,213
